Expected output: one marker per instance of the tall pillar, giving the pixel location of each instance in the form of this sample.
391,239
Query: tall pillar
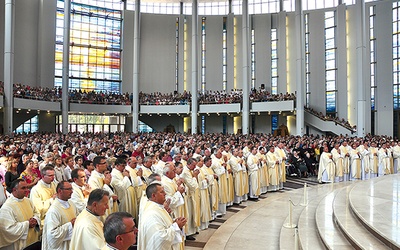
195,65
9,23
246,67
362,60
136,62
65,65
300,68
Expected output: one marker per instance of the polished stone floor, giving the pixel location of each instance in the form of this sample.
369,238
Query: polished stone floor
351,215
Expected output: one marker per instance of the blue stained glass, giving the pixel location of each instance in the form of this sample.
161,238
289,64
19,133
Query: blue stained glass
274,122
331,102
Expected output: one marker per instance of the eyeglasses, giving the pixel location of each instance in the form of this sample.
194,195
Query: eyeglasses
133,230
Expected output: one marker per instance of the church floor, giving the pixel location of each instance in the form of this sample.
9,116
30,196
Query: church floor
203,236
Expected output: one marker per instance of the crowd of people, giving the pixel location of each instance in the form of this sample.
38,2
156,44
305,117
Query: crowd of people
75,96
336,119
95,97
99,186
156,98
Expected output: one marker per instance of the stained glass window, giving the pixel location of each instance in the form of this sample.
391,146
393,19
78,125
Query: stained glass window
95,50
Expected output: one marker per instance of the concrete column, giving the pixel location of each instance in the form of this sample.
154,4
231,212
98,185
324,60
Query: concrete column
9,25
246,67
136,62
65,72
300,68
195,65
362,61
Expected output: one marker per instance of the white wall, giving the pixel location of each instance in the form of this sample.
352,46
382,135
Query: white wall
127,54
317,60
157,53
214,25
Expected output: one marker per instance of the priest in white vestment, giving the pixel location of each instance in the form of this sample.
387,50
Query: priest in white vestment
253,164
157,230
189,176
384,160
338,159
204,201
396,157
345,150
88,228
281,155
80,189
273,170
44,192
219,168
236,165
123,188
326,171
172,190
212,186
60,219
19,220
355,163
373,160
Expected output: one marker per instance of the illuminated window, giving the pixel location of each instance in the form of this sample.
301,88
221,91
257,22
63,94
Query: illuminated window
330,63
176,53
396,55
187,8
319,4
349,2
274,123
253,59
160,8
224,55
95,50
289,5
307,57
203,124
203,54
213,8
30,126
93,123
130,5
263,6
274,61
237,7
372,42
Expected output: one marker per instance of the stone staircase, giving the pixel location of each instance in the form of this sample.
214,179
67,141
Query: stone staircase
351,215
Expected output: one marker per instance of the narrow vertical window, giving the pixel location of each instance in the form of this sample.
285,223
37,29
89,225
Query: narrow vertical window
253,59
307,58
203,124
372,50
274,123
203,54
224,55
274,62
330,63
176,53
396,55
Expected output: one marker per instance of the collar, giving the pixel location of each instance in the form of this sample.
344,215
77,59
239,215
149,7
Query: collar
45,184
111,247
95,215
15,198
64,204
